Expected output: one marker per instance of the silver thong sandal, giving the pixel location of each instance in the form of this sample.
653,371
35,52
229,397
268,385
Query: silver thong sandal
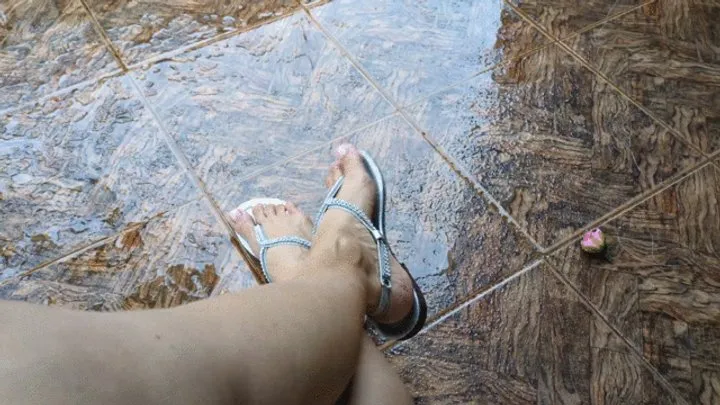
260,261
414,321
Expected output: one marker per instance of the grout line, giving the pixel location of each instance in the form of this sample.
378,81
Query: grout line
169,55
462,304
466,175
306,152
69,255
63,91
659,377
629,205
220,37
99,242
584,63
454,165
180,157
525,54
104,37
124,68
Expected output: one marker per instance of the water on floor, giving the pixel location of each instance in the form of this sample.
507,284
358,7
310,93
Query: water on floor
505,130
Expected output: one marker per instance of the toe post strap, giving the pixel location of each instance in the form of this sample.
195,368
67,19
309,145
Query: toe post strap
266,244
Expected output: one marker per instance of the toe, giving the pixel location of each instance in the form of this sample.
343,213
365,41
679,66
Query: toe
241,221
243,224
349,159
258,212
291,208
280,210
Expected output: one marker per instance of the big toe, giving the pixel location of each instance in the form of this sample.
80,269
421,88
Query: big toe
243,224
349,160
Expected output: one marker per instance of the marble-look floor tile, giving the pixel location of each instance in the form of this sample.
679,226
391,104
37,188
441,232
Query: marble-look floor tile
78,168
661,285
562,18
259,98
413,48
46,46
554,145
170,260
666,57
528,342
451,241
147,28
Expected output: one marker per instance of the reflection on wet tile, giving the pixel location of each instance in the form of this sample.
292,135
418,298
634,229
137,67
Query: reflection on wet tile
78,168
170,260
258,98
141,30
528,342
661,286
446,234
554,145
415,47
46,46
665,56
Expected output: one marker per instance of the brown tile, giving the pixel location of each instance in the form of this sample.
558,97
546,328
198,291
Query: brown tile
528,342
557,147
705,382
562,18
665,56
170,260
451,241
145,29
661,285
46,46
414,48
80,167
259,98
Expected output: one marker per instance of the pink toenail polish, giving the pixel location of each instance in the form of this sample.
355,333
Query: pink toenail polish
343,150
236,214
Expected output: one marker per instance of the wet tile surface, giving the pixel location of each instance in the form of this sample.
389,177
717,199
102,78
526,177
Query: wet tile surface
144,29
528,342
259,98
563,18
78,168
447,236
47,46
173,259
665,56
415,47
661,286
557,147
94,202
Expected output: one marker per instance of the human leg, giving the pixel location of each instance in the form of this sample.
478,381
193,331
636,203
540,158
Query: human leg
274,344
374,382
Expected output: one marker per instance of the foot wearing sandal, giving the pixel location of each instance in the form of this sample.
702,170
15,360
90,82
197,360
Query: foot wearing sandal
277,221
347,237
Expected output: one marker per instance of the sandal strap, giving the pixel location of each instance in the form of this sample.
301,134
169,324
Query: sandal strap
383,251
323,208
266,244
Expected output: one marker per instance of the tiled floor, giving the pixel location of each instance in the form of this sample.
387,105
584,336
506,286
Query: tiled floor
505,128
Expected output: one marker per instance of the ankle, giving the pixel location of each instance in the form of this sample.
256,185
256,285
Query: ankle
339,247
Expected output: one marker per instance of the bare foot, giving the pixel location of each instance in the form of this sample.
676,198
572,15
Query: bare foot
277,221
359,189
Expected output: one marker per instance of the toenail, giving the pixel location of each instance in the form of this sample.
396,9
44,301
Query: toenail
236,214
343,149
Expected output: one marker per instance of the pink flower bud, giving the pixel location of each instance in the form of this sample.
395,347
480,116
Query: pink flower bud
593,241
